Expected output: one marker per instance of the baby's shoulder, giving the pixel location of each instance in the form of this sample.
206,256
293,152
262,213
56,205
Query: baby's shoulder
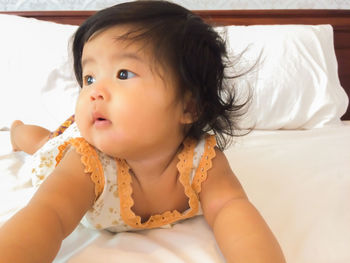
221,185
220,164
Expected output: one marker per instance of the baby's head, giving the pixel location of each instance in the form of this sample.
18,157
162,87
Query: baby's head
181,48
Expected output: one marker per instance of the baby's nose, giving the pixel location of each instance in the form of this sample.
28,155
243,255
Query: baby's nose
95,95
99,93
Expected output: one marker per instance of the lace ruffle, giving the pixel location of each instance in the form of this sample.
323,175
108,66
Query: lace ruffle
205,163
90,160
184,167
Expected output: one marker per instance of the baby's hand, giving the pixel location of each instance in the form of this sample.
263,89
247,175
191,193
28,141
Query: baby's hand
14,125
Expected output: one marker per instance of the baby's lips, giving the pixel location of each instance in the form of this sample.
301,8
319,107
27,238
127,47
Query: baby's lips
98,116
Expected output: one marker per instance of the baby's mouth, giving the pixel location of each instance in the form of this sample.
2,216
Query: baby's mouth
100,121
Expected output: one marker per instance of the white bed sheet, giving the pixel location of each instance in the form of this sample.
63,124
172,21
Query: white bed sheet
299,180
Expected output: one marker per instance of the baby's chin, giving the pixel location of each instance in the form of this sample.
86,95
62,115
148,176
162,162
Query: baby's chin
105,147
109,147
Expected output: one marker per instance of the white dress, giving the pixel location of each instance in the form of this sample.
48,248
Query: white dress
112,208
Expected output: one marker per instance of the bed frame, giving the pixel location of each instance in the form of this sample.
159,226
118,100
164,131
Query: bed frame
339,19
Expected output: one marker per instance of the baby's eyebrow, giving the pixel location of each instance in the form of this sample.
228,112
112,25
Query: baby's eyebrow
128,55
87,61
117,57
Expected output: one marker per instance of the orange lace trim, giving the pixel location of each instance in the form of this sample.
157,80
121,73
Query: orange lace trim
90,160
184,167
205,163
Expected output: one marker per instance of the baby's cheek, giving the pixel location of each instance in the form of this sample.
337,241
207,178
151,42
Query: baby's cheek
81,107
81,119
78,114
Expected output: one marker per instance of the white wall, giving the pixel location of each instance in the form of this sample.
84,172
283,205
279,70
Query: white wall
21,5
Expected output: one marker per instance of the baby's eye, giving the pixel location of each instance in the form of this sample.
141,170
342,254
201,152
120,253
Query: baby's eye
88,80
125,74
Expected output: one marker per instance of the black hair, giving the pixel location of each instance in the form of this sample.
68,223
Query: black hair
189,48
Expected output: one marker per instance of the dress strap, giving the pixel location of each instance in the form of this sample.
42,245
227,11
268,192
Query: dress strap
205,163
89,159
62,127
184,167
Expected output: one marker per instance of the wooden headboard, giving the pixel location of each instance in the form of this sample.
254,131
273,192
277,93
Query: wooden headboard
339,19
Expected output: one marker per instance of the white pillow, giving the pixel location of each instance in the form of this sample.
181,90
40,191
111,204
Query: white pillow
37,79
295,83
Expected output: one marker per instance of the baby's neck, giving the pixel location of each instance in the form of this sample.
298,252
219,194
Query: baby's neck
149,170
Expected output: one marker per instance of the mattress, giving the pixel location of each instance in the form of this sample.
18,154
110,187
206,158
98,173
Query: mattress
299,180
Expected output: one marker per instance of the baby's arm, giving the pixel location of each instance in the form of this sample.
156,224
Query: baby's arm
28,138
241,232
35,233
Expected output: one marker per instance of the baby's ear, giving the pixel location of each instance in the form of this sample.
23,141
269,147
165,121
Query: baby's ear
189,111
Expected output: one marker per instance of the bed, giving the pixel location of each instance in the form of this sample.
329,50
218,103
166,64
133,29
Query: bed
294,165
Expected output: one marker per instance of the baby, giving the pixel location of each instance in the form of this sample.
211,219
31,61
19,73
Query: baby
144,149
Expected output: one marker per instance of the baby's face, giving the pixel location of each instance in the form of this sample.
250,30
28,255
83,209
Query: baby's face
125,108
